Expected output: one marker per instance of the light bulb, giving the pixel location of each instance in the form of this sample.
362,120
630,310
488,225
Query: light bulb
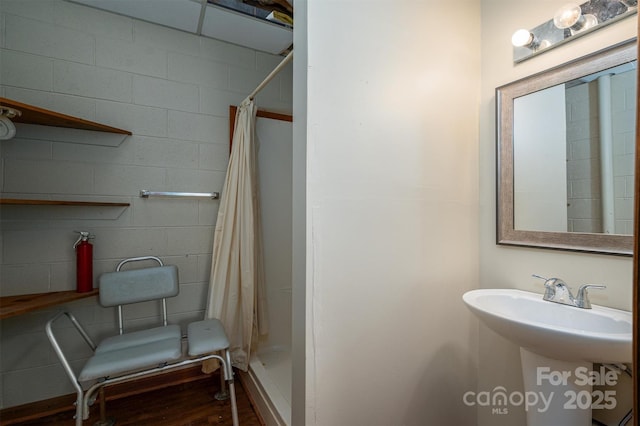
570,16
522,38
567,16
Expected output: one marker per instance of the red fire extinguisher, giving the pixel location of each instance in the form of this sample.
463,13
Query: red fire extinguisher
84,258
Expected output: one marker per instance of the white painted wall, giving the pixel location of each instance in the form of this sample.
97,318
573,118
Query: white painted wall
173,91
511,267
540,161
302,372
391,190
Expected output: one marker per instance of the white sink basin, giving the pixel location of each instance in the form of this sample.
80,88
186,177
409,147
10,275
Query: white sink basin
553,330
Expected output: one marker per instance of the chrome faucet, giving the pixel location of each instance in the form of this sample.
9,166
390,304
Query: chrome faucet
557,291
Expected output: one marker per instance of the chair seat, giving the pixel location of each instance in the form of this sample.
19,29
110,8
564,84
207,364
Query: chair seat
136,338
126,359
206,336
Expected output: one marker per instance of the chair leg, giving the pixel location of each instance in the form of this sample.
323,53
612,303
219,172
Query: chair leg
103,406
222,394
104,421
234,406
232,387
79,409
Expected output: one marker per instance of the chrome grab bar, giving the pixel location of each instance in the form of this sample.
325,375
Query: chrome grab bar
165,194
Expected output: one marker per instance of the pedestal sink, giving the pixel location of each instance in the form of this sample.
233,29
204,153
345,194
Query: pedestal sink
558,346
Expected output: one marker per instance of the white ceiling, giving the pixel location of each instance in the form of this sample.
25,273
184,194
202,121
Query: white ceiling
198,17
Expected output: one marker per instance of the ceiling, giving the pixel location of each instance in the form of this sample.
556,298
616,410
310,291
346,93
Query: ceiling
248,23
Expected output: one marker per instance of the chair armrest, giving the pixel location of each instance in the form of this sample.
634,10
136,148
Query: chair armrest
58,349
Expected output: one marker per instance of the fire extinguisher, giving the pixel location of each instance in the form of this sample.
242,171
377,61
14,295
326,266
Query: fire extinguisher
84,258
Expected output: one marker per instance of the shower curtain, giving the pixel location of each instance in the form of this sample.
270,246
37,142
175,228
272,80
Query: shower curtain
236,291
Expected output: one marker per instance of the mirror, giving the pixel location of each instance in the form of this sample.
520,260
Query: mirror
566,152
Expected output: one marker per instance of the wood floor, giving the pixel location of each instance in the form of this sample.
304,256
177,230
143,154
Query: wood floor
186,404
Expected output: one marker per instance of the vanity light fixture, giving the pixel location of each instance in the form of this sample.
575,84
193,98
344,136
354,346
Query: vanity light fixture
570,21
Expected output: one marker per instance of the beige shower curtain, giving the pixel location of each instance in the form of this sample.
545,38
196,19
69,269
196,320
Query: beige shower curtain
236,290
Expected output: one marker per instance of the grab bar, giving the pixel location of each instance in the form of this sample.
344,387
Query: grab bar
146,194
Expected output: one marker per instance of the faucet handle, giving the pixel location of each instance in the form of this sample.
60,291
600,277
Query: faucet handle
582,299
550,283
556,290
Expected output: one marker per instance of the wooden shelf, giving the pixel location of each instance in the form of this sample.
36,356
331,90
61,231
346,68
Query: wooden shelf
44,117
16,305
21,202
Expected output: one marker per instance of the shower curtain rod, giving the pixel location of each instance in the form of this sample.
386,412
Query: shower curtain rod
272,74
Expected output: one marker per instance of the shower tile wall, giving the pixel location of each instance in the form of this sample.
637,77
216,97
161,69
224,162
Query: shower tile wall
172,90
275,164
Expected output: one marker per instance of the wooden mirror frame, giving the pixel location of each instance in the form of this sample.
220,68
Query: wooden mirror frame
505,95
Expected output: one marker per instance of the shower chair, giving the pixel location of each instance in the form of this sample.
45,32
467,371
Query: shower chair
152,351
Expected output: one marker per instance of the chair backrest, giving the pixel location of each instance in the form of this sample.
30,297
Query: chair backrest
139,285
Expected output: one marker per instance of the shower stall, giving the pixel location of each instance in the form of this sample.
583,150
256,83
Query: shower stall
269,376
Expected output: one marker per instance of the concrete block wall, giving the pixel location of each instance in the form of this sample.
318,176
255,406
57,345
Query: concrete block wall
172,90
584,211
623,93
583,154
